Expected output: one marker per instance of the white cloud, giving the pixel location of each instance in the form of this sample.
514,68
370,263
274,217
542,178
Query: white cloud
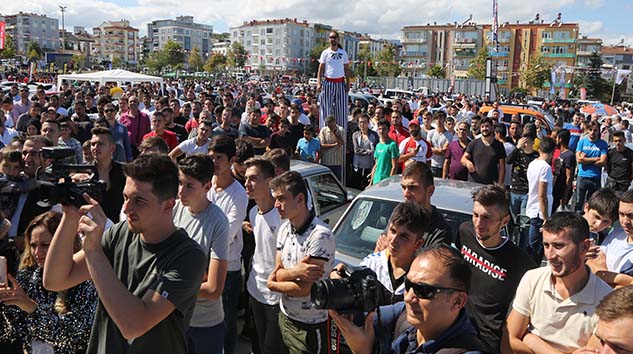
594,3
377,17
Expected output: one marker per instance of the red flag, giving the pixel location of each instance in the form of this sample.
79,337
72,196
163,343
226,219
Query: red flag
2,34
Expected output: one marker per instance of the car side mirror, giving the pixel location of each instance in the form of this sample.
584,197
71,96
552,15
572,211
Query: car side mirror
350,196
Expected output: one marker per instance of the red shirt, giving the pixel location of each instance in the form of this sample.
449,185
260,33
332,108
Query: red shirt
170,138
191,124
399,134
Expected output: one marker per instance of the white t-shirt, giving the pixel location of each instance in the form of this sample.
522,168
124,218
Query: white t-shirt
233,202
379,263
538,171
334,62
189,147
422,153
317,241
618,251
438,140
265,230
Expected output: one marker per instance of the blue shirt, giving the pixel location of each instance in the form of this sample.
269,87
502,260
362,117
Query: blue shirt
591,149
574,135
407,342
308,149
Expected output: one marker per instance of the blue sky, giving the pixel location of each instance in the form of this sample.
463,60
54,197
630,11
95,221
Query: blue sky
597,18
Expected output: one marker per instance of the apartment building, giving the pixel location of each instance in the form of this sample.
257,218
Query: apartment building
116,39
556,42
183,31
453,46
585,49
26,27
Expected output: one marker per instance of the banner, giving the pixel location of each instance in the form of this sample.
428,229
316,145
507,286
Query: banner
3,33
552,89
621,75
583,93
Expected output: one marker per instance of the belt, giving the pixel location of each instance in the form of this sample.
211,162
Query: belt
337,79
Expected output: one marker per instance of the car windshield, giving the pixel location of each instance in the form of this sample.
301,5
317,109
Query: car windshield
366,219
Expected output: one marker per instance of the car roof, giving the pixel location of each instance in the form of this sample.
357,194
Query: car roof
452,195
307,168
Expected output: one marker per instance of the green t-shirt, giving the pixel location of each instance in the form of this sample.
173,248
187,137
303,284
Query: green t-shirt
173,268
384,154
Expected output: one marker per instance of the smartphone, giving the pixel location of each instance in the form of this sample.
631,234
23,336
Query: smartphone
4,281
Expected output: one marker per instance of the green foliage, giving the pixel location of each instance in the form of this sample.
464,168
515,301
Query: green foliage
221,36
117,62
315,54
236,55
79,61
437,71
195,60
386,64
365,67
477,69
215,63
33,51
591,79
171,55
535,73
9,50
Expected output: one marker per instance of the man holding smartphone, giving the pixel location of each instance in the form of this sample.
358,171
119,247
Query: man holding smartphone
146,271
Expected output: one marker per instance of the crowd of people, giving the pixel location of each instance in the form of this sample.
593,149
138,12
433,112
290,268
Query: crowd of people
201,222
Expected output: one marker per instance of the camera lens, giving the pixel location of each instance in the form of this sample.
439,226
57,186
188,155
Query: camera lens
332,294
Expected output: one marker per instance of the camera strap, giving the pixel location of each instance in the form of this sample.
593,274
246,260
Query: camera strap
333,337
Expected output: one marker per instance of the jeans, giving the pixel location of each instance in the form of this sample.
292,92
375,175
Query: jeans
518,202
436,171
230,302
535,244
206,340
266,318
585,187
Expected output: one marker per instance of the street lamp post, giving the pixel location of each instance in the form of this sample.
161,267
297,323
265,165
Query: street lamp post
63,9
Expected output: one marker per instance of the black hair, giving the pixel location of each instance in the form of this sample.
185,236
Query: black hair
457,269
265,167
223,144
547,145
575,225
279,158
605,202
157,169
243,150
411,215
292,182
419,170
564,135
198,166
493,195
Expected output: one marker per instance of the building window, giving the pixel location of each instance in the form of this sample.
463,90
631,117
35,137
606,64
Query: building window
269,30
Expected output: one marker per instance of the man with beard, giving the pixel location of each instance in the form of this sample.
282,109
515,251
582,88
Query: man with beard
553,310
497,263
591,156
485,157
136,122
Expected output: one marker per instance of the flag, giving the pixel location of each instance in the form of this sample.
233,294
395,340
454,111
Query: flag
2,33
583,93
495,24
621,75
553,83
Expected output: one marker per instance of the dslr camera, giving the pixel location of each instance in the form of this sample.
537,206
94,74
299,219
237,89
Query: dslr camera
56,185
356,291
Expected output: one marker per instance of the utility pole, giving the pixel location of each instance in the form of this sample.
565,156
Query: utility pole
63,9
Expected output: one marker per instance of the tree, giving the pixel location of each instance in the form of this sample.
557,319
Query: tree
385,63
437,71
221,36
33,51
315,55
216,62
477,69
195,60
117,62
9,50
78,60
173,54
591,79
236,55
365,67
535,73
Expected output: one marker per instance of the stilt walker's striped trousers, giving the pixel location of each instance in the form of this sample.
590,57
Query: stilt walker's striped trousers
333,100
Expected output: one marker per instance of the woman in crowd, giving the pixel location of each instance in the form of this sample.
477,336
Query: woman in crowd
38,320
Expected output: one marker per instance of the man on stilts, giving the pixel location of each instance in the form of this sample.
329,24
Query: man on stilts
333,80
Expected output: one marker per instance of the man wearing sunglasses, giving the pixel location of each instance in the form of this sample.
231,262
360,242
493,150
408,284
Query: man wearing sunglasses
497,263
436,292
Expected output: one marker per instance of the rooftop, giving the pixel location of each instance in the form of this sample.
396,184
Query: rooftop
275,22
620,49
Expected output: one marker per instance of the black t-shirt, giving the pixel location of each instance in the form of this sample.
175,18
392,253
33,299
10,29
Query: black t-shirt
172,268
520,160
261,131
619,164
284,141
180,131
496,273
181,120
486,159
113,197
296,132
439,230
568,161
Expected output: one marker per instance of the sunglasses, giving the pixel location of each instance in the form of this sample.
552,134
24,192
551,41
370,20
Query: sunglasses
424,290
333,37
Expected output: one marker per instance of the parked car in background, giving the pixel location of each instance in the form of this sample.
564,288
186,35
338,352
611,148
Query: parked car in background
329,197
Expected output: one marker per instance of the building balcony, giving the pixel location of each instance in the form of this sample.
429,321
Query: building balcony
584,53
559,55
464,53
554,40
414,40
498,54
413,54
502,81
